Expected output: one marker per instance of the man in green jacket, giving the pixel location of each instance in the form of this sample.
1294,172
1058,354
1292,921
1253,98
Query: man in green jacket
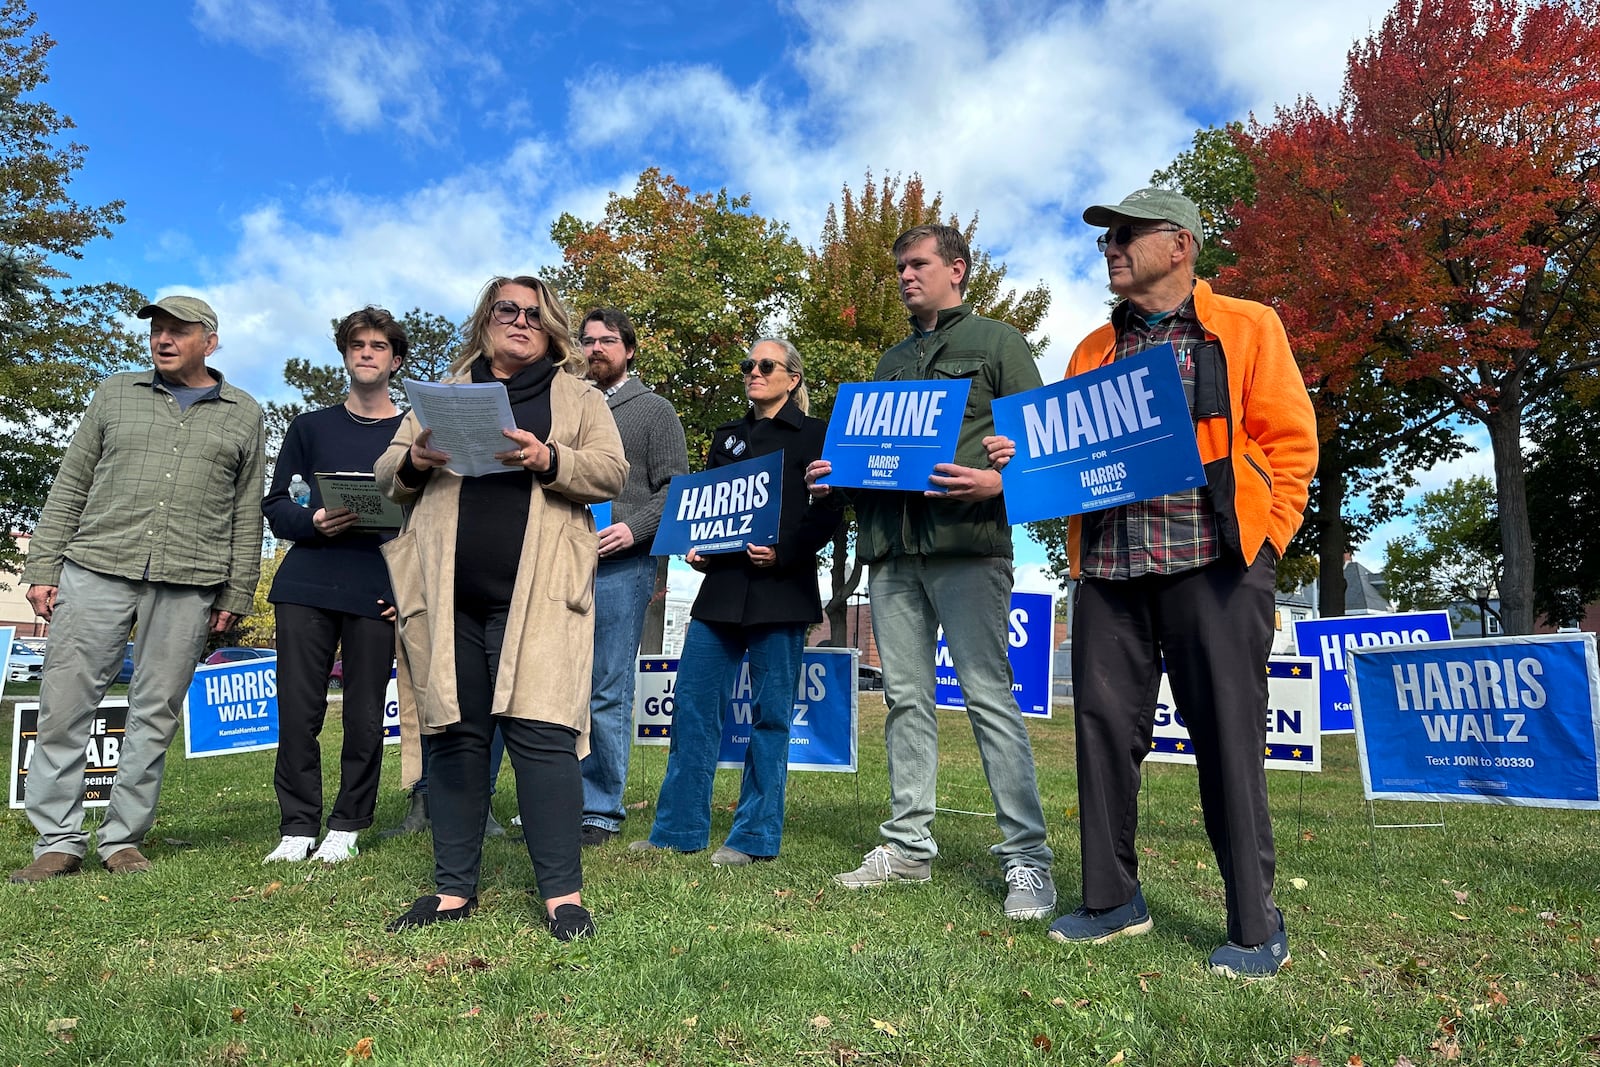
154,518
943,557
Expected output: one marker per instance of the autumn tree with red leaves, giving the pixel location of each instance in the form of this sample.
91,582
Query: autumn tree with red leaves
1440,224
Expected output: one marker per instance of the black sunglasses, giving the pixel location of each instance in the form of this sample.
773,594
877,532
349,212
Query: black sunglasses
767,366
1126,234
505,313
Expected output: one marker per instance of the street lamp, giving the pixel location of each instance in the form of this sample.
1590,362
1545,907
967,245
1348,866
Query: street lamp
1484,610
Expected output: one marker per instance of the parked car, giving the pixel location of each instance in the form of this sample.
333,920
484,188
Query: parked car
336,676
868,677
26,664
125,675
235,653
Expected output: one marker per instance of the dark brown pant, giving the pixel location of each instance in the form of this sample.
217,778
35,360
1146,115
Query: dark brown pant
1213,627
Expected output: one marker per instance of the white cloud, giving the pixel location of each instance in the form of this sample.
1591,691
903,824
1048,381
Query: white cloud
367,78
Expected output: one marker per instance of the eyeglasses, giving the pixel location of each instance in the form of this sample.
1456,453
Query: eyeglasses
766,366
505,313
1125,235
600,342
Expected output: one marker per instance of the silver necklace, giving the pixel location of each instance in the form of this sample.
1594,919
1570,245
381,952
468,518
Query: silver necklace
363,420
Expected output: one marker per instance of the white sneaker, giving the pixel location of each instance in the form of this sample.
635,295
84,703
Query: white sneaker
291,850
338,846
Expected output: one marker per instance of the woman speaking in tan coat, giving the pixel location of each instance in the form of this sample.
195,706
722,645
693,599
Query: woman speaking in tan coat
494,582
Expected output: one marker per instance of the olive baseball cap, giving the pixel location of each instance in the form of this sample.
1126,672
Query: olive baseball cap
1150,205
186,308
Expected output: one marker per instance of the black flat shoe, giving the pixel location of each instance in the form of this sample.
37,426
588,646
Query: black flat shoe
570,922
426,911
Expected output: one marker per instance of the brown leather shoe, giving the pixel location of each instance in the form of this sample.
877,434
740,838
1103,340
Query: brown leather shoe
49,865
127,861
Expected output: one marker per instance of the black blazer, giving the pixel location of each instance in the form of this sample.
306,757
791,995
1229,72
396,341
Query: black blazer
735,590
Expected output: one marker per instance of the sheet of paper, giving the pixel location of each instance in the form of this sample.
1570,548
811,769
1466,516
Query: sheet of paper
466,420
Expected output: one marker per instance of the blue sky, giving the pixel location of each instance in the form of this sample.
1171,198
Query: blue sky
290,161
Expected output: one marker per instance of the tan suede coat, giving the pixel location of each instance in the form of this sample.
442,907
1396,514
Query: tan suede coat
545,663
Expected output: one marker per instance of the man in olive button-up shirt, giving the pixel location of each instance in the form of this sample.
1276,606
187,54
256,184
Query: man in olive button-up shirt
154,519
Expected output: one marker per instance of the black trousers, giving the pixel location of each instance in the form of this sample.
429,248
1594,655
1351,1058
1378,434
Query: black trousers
1213,626
544,757
307,639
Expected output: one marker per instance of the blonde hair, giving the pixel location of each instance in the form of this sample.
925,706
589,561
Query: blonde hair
793,364
554,319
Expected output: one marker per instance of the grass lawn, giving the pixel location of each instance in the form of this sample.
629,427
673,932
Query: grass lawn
1477,943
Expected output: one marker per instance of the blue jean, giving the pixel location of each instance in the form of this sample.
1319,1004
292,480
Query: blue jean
971,597
622,591
708,672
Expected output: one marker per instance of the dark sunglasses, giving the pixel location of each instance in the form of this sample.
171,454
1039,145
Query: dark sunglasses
505,313
766,366
1126,234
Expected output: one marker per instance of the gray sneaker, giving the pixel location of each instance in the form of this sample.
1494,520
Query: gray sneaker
1032,894
884,865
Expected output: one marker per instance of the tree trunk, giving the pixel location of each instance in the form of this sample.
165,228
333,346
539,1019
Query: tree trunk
655,613
1511,495
1332,541
845,579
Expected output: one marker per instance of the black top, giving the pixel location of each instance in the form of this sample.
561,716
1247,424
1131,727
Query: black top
494,507
344,573
734,589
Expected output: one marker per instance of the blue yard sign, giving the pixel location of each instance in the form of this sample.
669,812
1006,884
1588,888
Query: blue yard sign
890,435
1507,720
821,738
1114,435
602,514
1030,635
232,707
1328,639
722,509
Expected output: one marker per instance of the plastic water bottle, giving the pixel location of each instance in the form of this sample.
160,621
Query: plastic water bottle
299,491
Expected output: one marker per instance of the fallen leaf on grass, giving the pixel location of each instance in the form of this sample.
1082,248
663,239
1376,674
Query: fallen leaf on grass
296,1010
1307,835
1461,895
783,894
1025,994
1497,998
692,1022
1121,1055
1458,915
1447,1047
471,1012
1404,1061
237,1015
1339,1031
361,1050
441,960
271,889
985,933
1299,883
1200,865
1516,909
1354,1061
60,1026
885,1027
1591,1039
1305,1059
821,1022
1042,1043
856,948
640,806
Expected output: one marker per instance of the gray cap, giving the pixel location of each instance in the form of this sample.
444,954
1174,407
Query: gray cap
186,308
1150,205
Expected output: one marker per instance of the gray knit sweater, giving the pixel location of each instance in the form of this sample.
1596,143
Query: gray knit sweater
652,439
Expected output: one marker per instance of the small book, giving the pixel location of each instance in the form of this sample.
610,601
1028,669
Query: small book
359,492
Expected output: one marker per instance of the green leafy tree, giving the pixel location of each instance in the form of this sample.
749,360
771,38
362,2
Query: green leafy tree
851,311
1454,552
57,340
701,275
1564,501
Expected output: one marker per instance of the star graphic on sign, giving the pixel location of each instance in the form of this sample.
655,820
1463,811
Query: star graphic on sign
1295,671
1179,747
1269,752
1297,753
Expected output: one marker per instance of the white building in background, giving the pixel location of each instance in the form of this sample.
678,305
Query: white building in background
674,626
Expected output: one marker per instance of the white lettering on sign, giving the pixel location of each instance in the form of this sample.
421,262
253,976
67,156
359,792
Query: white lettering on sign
1114,408
908,414
725,498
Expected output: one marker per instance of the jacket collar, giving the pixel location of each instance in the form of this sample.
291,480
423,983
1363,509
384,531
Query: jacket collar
947,318
630,388
789,415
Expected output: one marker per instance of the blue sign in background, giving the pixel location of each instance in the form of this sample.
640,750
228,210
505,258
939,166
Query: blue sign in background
602,514
731,528
1030,637
1326,640
1510,720
891,457
232,707
1111,436
821,738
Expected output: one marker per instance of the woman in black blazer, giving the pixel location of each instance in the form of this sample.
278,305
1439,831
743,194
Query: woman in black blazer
758,602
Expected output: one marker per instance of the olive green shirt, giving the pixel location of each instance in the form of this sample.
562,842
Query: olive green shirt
151,493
